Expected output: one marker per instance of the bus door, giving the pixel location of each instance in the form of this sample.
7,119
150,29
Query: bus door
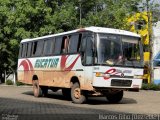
87,59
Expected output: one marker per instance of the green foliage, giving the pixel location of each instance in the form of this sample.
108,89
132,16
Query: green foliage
151,86
9,82
19,83
111,13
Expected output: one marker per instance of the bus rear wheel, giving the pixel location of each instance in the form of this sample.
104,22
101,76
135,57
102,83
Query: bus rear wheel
78,96
44,90
36,89
114,97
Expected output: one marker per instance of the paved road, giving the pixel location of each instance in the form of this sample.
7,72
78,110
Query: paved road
18,102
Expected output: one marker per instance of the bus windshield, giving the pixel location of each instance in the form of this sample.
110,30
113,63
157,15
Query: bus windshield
119,50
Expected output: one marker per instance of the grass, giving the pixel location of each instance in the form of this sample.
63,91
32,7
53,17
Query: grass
19,83
10,82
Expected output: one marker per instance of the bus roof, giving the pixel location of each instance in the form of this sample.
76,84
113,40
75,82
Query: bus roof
92,29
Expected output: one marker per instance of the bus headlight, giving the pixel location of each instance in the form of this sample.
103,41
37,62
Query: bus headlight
98,74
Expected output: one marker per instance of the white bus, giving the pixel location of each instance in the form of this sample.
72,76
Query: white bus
83,62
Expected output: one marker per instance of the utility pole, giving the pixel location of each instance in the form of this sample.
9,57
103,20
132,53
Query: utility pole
80,12
150,41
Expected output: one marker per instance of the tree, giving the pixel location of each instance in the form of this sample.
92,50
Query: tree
111,13
20,19
150,7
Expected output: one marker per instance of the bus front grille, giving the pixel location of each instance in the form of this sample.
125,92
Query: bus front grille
118,82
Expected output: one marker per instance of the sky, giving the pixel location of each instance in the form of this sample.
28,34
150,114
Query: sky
154,1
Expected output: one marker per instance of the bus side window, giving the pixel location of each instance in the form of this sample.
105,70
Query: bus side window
82,48
48,46
37,48
64,45
24,49
34,48
79,42
58,42
89,51
83,44
20,50
29,49
86,49
74,44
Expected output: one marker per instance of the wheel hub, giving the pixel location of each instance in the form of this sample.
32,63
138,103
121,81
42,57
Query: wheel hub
77,93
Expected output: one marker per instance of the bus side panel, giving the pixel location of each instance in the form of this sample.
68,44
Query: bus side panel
25,77
48,78
53,78
56,71
61,78
25,71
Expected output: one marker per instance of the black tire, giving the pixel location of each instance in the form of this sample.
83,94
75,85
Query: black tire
114,97
37,92
78,96
66,93
44,90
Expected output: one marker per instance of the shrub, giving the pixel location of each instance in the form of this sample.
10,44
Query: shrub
9,82
150,86
145,86
19,83
154,87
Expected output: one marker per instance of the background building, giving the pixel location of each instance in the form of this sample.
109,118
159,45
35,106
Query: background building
156,52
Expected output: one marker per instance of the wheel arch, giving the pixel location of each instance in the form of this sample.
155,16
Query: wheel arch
74,79
35,77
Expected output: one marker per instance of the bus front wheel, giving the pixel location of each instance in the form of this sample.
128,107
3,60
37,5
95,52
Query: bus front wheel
114,97
36,89
78,96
